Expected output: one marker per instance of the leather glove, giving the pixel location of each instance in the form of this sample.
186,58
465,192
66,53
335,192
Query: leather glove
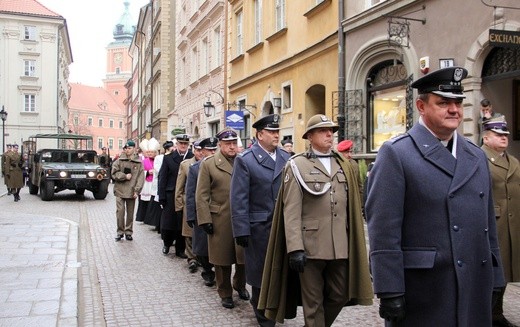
243,241
497,293
190,223
392,308
208,228
297,260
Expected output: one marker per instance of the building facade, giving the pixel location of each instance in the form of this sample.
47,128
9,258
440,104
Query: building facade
391,43
34,69
283,58
201,28
153,77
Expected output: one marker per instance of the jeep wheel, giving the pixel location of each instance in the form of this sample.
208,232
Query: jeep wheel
80,191
101,192
47,190
33,189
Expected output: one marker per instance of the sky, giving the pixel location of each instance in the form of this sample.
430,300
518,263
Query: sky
90,24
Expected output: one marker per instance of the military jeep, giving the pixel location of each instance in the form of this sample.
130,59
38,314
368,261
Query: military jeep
70,167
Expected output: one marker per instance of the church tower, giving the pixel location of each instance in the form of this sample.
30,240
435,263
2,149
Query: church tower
119,63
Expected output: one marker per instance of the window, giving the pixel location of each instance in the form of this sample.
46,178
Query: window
118,70
29,68
89,121
258,21
245,134
100,142
100,122
111,123
29,103
110,143
194,64
240,36
120,144
214,128
89,144
29,33
76,120
286,97
217,47
370,3
204,57
121,124
280,14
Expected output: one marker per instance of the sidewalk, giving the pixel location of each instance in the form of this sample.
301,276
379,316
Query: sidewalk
38,269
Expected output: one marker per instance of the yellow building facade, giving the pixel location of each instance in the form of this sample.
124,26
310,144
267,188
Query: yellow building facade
283,58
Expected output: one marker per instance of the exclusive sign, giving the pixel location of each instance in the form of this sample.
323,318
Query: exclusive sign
505,39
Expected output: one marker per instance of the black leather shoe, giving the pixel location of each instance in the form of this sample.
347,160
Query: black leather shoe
181,255
193,267
502,322
228,303
119,237
129,237
209,283
244,294
165,249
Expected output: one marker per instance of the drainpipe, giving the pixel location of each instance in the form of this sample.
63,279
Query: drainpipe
341,73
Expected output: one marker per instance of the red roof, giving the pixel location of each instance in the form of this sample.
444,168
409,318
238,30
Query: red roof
92,98
26,7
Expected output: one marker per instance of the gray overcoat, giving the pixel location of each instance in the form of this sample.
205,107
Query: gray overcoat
254,186
432,230
199,236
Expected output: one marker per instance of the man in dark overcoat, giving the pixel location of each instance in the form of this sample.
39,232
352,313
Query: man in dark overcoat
214,216
505,174
254,186
13,172
171,221
433,241
199,236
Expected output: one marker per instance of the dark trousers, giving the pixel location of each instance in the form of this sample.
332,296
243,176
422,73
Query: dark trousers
169,236
498,308
223,277
262,320
207,268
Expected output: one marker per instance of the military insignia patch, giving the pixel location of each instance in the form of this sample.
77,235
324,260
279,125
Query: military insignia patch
317,187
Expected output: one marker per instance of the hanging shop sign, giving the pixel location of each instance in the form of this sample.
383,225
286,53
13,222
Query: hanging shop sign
505,39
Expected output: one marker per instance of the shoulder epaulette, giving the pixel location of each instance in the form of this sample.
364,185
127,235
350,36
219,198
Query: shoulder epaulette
206,158
399,137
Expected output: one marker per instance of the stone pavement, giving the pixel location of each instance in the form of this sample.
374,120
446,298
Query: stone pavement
60,266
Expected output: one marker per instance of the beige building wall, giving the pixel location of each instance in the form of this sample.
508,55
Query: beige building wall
200,64
294,58
48,48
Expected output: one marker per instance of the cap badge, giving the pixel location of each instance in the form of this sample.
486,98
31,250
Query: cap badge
324,118
317,187
457,74
275,119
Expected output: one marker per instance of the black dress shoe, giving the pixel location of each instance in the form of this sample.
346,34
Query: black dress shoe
119,237
193,267
129,237
502,322
165,249
181,255
228,303
244,294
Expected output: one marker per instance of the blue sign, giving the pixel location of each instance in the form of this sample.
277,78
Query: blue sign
235,119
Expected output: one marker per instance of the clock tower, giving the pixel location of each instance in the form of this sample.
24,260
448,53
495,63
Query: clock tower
119,63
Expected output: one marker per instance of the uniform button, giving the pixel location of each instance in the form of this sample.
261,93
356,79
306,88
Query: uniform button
456,228
481,194
459,263
484,262
486,230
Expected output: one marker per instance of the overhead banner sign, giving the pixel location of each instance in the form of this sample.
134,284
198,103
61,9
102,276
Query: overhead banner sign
505,39
235,119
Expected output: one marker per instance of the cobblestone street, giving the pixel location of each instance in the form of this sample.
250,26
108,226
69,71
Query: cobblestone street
52,253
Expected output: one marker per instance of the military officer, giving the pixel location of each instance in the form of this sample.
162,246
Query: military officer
431,222
171,221
8,148
257,171
14,172
128,175
180,203
318,217
199,236
505,174
214,216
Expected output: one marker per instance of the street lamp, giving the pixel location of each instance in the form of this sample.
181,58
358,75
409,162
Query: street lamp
208,107
3,115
